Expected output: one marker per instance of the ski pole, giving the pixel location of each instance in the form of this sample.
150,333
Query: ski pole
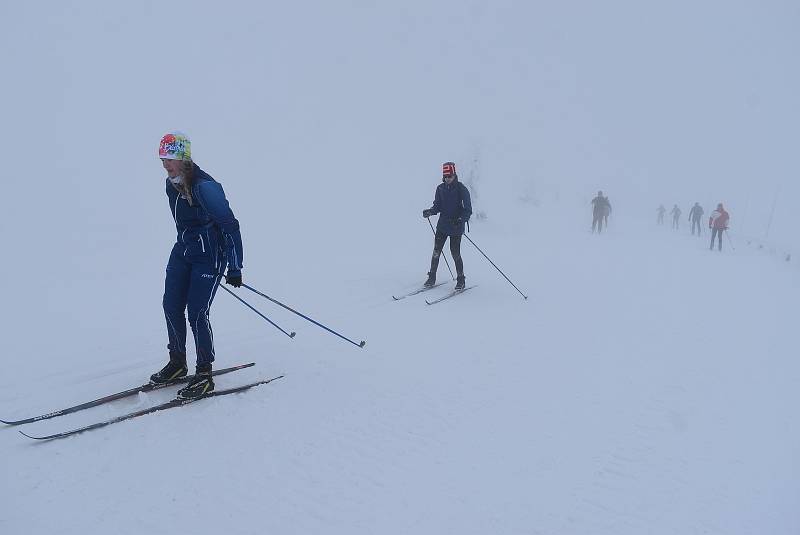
248,305
729,240
290,309
443,255
495,266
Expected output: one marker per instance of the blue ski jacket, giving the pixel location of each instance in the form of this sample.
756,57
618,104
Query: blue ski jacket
207,229
453,204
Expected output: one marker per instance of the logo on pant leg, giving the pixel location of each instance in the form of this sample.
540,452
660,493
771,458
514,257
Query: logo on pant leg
207,276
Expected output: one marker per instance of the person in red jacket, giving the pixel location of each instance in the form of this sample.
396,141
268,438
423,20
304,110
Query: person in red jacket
718,223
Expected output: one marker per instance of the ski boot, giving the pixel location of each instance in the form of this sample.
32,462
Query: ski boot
431,281
460,282
175,369
200,385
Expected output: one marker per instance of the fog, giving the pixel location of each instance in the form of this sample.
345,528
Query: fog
673,103
327,123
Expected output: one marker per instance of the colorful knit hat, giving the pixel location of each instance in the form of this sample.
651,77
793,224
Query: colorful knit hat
448,169
175,146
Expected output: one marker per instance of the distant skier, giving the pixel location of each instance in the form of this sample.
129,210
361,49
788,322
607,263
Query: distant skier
661,211
676,216
695,214
600,210
718,223
607,213
452,203
208,241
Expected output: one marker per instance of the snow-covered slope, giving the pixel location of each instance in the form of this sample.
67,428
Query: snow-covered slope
646,393
646,386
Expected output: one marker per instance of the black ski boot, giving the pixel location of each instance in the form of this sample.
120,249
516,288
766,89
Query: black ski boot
200,385
175,369
460,282
431,281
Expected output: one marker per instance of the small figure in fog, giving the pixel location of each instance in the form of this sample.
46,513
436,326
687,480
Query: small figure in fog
600,210
695,214
718,223
676,216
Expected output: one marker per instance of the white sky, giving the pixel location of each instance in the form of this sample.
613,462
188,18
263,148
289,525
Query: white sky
651,101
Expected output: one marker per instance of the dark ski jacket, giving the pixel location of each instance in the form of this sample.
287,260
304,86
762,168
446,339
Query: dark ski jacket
452,202
601,206
696,213
207,229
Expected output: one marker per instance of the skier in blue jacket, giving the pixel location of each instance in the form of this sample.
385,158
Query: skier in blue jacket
454,207
208,241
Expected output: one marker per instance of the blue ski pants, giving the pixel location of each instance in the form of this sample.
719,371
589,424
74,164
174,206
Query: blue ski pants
190,287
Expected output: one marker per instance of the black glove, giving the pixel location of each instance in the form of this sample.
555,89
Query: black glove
426,213
234,280
457,221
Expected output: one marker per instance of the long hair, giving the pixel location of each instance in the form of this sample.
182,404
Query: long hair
187,172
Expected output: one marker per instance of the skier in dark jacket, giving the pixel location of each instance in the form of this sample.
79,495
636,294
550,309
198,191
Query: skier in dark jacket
695,214
208,241
452,203
661,211
600,210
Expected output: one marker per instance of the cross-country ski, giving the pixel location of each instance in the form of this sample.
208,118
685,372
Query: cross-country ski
177,402
449,295
417,291
149,387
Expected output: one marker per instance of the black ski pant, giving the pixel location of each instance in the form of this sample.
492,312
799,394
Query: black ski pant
455,250
714,233
696,223
597,223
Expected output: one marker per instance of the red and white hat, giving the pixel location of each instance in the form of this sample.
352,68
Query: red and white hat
448,169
